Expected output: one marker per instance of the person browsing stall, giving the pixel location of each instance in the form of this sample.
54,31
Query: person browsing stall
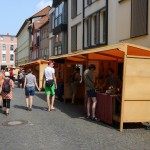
90,90
50,84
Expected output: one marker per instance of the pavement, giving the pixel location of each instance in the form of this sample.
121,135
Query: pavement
63,129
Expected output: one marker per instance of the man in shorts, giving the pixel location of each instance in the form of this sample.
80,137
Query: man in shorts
49,75
90,90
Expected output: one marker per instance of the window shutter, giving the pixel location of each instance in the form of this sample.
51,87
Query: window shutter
74,38
139,18
97,27
73,8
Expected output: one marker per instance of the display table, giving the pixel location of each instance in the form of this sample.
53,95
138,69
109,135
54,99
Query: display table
105,107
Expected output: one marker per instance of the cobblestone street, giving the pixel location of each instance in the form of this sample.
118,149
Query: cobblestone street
63,129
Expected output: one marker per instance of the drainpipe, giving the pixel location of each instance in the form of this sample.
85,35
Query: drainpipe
107,22
83,25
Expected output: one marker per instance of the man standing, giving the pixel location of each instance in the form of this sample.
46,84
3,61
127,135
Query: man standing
50,84
90,90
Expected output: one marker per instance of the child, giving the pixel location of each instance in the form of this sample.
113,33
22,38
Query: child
7,86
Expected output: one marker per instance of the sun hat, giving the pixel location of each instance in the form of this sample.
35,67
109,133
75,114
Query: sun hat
7,74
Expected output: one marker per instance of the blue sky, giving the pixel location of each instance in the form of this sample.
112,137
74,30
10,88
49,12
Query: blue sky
13,13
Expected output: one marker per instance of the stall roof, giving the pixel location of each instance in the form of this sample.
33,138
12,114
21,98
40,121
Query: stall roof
34,62
111,52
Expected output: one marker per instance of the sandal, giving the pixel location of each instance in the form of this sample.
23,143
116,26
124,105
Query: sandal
94,119
53,109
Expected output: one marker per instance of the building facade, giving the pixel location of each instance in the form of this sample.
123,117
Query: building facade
28,37
44,41
8,43
59,27
23,46
95,23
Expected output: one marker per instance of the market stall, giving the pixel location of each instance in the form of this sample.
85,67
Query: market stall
135,95
37,68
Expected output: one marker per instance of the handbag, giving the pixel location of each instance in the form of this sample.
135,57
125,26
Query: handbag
49,82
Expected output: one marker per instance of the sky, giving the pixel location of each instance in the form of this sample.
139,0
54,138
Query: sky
13,13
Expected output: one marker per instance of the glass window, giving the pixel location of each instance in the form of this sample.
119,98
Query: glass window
58,15
11,57
4,47
11,38
56,12
11,47
4,57
60,9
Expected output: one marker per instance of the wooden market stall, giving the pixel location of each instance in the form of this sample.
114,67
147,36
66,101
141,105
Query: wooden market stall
64,70
37,68
135,98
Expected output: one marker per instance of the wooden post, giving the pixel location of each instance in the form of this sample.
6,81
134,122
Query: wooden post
123,89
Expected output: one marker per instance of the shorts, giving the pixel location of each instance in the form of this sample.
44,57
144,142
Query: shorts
50,90
30,91
91,93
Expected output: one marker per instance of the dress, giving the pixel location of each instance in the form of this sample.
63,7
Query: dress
7,95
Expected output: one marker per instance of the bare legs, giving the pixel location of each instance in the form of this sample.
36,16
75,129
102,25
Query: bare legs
29,102
48,102
94,100
53,99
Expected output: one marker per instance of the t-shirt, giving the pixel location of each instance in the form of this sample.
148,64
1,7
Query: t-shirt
30,80
20,76
88,79
48,73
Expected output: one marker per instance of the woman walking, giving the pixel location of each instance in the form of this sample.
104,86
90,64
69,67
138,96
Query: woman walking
7,85
1,81
29,86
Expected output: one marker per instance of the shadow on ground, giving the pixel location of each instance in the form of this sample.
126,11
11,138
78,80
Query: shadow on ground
77,111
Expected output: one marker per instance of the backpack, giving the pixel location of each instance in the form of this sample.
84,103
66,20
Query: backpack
6,86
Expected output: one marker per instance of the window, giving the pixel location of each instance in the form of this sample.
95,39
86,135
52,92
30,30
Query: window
11,57
74,38
89,2
11,38
58,38
4,47
11,47
103,27
51,22
3,57
73,8
95,31
58,15
139,17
